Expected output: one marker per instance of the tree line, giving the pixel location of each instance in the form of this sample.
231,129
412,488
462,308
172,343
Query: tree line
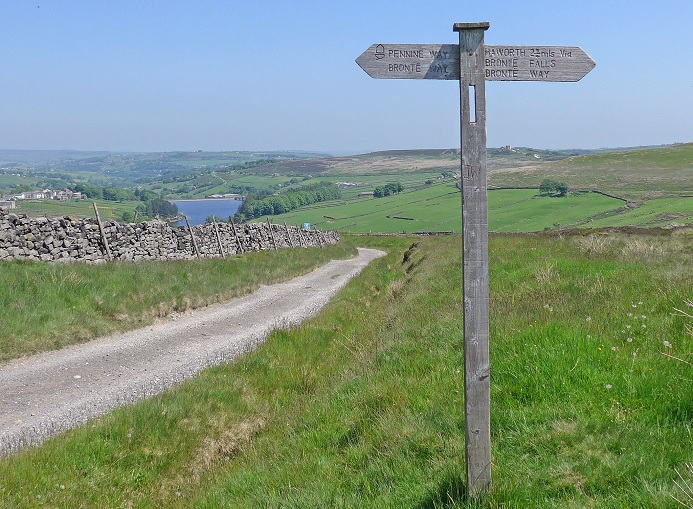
287,201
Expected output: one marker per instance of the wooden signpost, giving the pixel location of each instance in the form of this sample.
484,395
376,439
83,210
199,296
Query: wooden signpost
473,63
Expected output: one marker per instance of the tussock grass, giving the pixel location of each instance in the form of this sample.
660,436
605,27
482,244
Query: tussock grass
362,406
637,246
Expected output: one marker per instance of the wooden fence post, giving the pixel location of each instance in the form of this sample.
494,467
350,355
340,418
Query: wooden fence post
235,234
103,233
192,236
216,230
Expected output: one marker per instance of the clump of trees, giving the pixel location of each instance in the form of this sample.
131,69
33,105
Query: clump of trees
157,208
551,187
287,201
151,208
388,189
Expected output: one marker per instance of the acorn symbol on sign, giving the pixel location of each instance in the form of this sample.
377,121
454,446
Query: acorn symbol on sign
379,52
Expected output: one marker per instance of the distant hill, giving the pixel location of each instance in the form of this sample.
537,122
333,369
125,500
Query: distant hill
56,157
130,168
407,161
635,174
14,157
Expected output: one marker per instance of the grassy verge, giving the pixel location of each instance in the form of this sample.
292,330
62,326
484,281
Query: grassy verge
48,306
362,406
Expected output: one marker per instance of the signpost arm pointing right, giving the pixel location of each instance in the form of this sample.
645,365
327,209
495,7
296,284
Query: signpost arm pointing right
477,393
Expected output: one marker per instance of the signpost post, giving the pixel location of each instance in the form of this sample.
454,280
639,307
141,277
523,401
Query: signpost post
473,63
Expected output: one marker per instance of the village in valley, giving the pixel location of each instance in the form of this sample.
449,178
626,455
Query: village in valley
44,194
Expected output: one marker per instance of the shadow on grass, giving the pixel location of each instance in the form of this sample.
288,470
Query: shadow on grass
450,492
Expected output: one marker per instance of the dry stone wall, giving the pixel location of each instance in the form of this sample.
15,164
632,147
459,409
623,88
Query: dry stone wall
67,239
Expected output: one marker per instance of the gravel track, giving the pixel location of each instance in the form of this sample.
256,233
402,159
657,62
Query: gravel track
46,394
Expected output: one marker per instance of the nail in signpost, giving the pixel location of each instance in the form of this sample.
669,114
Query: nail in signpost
473,63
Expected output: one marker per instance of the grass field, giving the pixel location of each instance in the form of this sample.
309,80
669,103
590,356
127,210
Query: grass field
438,208
362,406
401,162
534,213
412,210
657,212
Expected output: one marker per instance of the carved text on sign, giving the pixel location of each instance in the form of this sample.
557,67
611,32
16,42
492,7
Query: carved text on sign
501,63
535,63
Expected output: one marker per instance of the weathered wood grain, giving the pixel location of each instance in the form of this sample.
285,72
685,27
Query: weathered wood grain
536,63
411,61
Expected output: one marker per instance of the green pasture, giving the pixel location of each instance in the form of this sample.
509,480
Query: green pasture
438,208
534,213
656,212
367,183
221,182
411,210
9,182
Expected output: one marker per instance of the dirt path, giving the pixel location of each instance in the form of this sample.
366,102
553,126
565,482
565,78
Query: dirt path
46,394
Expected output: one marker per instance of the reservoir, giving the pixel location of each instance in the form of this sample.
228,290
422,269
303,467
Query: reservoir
199,210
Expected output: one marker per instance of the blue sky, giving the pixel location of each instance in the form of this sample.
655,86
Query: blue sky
149,75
